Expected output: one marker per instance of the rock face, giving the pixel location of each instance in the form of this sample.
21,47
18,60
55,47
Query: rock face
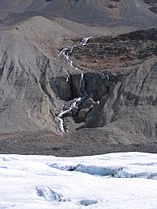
123,100
152,5
89,87
132,104
110,99
27,101
95,85
127,102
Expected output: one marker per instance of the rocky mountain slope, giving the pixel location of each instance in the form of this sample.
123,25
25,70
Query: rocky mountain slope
91,12
152,5
65,91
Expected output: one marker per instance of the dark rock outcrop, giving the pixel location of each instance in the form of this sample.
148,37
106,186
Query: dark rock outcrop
132,104
95,85
152,5
114,52
127,102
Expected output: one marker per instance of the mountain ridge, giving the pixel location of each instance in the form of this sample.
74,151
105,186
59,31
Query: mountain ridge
97,13
64,96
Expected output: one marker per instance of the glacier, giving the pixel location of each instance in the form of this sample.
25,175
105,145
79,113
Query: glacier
109,181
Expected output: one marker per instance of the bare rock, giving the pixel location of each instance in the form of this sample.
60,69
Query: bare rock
82,114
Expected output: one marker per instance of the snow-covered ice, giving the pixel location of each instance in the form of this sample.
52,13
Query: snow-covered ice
110,181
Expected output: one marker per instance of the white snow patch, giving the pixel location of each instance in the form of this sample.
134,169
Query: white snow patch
85,40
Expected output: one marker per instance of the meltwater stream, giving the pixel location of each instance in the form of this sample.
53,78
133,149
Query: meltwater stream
63,112
65,53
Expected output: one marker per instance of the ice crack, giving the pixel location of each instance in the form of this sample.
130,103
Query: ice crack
48,194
